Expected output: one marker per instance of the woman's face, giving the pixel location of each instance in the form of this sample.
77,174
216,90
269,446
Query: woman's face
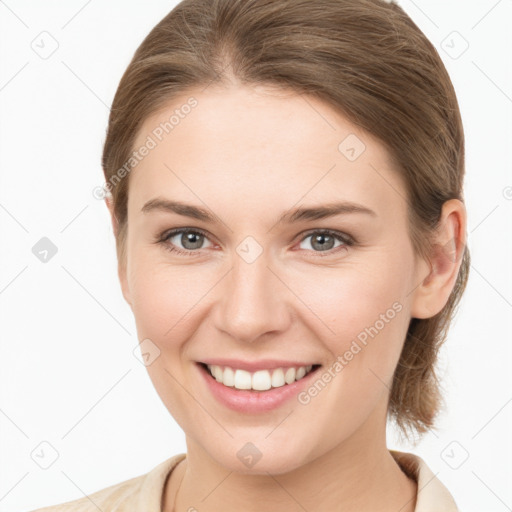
250,289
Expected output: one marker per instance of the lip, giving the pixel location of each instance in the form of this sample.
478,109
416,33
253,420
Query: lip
250,401
254,366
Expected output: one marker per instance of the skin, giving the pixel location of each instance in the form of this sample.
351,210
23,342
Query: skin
248,154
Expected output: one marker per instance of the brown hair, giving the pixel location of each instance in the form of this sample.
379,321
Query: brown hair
364,58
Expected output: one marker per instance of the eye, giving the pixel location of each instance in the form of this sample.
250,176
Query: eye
190,239
324,240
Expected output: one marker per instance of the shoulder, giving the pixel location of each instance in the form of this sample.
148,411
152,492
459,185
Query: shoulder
126,496
432,494
114,497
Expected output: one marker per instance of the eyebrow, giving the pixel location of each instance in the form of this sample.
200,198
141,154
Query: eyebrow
290,217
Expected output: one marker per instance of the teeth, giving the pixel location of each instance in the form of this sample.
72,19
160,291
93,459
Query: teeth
289,376
228,377
260,380
217,373
300,372
277,378
242,379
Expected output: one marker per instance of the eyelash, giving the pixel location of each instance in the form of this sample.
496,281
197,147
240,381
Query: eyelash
347,240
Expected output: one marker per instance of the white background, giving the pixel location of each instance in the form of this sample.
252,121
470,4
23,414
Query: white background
68,374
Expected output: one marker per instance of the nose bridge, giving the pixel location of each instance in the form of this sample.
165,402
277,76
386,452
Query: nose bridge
252,302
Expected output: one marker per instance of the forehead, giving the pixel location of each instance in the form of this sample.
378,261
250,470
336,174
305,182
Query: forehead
265,146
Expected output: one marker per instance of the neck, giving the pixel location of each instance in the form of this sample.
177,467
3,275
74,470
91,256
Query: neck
359,474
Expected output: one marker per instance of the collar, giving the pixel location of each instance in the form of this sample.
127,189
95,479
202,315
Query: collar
432,494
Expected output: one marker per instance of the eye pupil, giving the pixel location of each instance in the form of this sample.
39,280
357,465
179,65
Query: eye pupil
193,238
321,240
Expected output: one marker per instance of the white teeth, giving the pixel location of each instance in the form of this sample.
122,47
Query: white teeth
217,373
260,380
242,379
228,377
278,378
289,376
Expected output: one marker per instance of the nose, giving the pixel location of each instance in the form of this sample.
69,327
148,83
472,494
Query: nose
253,301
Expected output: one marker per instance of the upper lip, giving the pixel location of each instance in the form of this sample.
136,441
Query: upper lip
253,366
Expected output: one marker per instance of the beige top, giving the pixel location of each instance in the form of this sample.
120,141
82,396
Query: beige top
144,493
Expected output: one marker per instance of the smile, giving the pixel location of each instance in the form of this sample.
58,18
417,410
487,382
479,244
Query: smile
260,380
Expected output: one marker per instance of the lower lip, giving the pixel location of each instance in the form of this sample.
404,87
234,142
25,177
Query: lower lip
248,401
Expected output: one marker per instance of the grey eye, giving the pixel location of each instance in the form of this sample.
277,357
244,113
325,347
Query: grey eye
321,241
189,240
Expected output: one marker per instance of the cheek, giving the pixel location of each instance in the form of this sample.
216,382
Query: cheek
364,313
350,298
367,320
167,299
166,303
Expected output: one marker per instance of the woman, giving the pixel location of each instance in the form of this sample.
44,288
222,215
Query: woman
285,180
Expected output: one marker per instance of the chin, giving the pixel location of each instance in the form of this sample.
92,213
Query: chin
259,458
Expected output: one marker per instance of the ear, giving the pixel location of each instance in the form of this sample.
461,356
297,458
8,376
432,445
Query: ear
121,265
110,205
434,290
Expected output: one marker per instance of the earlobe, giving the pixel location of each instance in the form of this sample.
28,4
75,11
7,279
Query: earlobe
445,259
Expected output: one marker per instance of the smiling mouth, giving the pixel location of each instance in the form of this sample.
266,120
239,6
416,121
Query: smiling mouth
261,380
